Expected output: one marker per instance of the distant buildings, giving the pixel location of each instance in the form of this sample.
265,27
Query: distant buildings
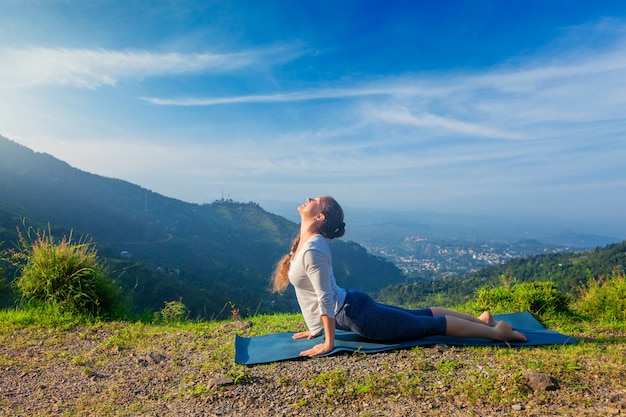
419,255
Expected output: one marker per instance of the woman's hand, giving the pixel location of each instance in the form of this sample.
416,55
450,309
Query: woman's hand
329,343
317,350
303,335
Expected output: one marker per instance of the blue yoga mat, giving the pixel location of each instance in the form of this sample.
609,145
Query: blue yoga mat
280,346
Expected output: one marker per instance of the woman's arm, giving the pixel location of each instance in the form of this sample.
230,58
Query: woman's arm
329,336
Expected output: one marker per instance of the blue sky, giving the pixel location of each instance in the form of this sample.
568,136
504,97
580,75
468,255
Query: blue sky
478,107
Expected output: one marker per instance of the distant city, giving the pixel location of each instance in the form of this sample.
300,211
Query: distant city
435,258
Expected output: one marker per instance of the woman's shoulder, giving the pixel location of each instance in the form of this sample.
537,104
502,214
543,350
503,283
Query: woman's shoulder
317,243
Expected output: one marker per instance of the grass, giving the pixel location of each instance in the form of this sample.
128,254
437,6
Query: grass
604,298
34,342
64,273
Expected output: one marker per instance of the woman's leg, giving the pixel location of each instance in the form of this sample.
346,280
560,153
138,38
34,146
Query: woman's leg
465,325
484,318
502,331
375,321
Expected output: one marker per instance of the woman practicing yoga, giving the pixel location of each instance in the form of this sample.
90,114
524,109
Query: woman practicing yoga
326,307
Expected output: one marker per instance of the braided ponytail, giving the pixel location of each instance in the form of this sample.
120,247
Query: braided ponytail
280,280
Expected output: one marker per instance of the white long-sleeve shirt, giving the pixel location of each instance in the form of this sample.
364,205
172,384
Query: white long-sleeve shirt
311,274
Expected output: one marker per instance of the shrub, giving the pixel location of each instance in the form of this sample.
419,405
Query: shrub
541,298
174,311
3,284
604,298
4,287
65,274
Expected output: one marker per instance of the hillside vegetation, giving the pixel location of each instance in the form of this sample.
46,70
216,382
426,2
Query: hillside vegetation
568,271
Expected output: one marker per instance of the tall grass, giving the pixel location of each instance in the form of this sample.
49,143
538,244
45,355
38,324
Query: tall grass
604,298
66,274
542,298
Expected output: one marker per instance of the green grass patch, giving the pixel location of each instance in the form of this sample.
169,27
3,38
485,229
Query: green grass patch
604,298
64,274
541,298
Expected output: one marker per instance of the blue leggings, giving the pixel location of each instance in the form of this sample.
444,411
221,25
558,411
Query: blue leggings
375,321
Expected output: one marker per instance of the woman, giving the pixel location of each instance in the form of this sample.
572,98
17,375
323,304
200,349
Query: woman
326,307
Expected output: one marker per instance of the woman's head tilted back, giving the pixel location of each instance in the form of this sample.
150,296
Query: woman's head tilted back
332,226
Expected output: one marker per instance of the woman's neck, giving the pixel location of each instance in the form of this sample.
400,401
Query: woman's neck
306,229
306,233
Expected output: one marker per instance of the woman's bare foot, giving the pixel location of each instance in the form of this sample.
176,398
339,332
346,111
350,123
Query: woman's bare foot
488,319
506,333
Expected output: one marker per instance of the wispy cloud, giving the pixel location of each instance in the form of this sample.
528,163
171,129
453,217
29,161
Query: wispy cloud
528,78
93,68
320,94
403,116
504,103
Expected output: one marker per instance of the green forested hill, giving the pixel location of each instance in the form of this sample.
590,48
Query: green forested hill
161,249
569,271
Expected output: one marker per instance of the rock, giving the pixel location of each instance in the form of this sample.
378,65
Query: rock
237,325
96,376
539,381
156,357
517,407
218,382
436,349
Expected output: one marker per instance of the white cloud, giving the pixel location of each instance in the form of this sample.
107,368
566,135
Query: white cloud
538,99
93,68
320,94
528,78
426,120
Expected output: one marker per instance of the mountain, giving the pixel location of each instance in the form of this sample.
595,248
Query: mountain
216,257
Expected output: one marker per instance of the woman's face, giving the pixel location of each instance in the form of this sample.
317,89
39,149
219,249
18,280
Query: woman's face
312,207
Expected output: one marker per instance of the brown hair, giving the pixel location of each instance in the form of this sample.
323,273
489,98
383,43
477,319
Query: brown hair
332,227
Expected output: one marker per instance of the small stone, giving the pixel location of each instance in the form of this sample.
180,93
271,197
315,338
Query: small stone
436,350
540,382
237,325
221,381
156,357
517,407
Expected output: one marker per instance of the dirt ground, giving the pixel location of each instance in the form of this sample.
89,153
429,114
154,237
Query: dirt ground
93,371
